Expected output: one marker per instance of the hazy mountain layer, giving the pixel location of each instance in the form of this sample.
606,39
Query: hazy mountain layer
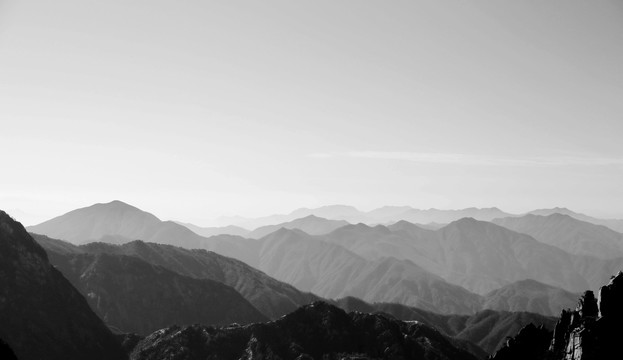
132,295
213,231
570,234
116,222
310,224
614,224
383,215
331,271
42,316
477,255
315,331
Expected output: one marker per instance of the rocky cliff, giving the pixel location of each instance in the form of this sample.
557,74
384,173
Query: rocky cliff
41,315
590,332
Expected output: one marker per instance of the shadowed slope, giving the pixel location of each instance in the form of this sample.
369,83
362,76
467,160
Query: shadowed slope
41,314
271,297
132,295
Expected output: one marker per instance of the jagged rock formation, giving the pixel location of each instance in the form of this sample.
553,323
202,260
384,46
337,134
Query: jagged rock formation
41,315
590,332
315,331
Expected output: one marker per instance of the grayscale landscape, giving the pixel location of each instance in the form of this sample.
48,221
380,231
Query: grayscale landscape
311,180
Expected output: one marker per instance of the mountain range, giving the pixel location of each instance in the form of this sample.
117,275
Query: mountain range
449,270
139,286
383,215
568,233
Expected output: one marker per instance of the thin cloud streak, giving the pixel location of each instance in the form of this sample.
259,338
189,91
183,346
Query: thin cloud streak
473,160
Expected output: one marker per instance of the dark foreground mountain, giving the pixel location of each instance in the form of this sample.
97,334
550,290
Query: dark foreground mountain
6,352
487,329
134,296
590,332
42,316
271,297
315,331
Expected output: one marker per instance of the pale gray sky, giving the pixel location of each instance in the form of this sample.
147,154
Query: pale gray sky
194,109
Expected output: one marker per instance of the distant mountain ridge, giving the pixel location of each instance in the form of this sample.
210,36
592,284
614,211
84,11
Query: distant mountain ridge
383,215
116,222
310,224
213,231
568,233
614,224
401,262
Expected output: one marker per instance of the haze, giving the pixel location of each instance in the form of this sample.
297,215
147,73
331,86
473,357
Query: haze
193,109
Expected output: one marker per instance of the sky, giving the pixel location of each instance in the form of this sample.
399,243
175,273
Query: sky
198,109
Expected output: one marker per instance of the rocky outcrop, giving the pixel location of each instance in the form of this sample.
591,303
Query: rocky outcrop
530,343
315,331
590,332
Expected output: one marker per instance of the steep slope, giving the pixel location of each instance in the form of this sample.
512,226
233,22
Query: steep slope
310,224
614,224
41,314
487,329
332,271
134,296
315,331
116,222
532,296
271,297
590,332
565,232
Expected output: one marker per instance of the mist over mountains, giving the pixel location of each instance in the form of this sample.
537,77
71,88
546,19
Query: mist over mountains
476,281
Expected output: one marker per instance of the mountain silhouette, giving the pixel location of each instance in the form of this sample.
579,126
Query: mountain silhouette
42,316
116,222
315,331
